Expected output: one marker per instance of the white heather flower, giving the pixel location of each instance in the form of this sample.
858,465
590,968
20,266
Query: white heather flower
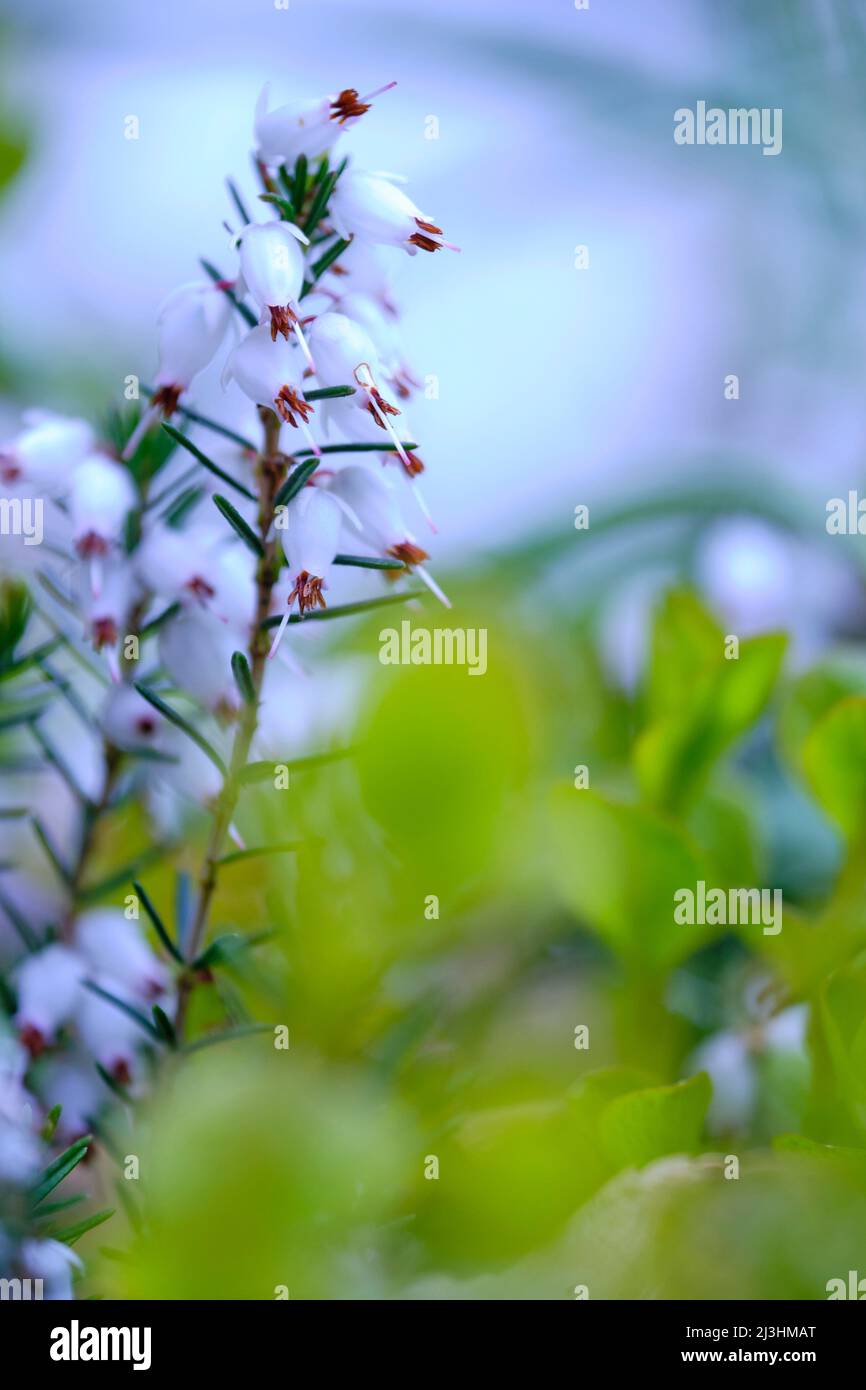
272,267
73,1083
107,1032
371,207
19,1148
52,1261
269,373
309,126
115,947
191,323
310,533
101,494
345,353
360,269
190,326
200,566
129,721
383,333
107,612
371,499
196,649
43,455
48,985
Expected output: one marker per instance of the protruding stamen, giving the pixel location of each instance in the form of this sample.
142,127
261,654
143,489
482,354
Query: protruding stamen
278,636
428,579
305,347
308,592
380,409
283,319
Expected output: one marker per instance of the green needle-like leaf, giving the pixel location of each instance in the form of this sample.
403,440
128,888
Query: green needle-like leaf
299,475
159,925
50,1123
208,463
238,201
346,610
227,1035
328,393
236,521
164,1026
368,562
386,448
50,850
59,1169
70,1234
181,723
286,847
243,677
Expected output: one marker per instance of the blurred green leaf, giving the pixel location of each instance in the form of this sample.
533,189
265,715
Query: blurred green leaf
647,1124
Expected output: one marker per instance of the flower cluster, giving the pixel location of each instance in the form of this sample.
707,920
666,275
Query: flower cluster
157,602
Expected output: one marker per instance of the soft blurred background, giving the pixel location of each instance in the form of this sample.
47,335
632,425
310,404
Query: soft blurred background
453,1036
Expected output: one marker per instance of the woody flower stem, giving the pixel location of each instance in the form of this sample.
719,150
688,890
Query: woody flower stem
270,469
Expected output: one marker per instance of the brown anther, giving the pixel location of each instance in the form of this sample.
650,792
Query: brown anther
415,465
288,404
166,398
33,1039
9,469
408,552
145,725
91,544
424,242
199,588
104,633
308,592
378,403
347,105
283,318
120,1070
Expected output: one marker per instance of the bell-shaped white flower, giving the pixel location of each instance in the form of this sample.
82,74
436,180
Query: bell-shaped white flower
53,1262
107,611
272,267
370,206
196,650
49,987
107,1032
382,332
190,327
43,455
309,126
360,269
346,354
374,515
191,324
73,1083
114,947
268,372
310,534
201,567
129,721
101,494
188,779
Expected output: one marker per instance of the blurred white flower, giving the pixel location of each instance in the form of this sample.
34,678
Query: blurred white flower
115,947
43,455
196,650
49,985
53,1263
